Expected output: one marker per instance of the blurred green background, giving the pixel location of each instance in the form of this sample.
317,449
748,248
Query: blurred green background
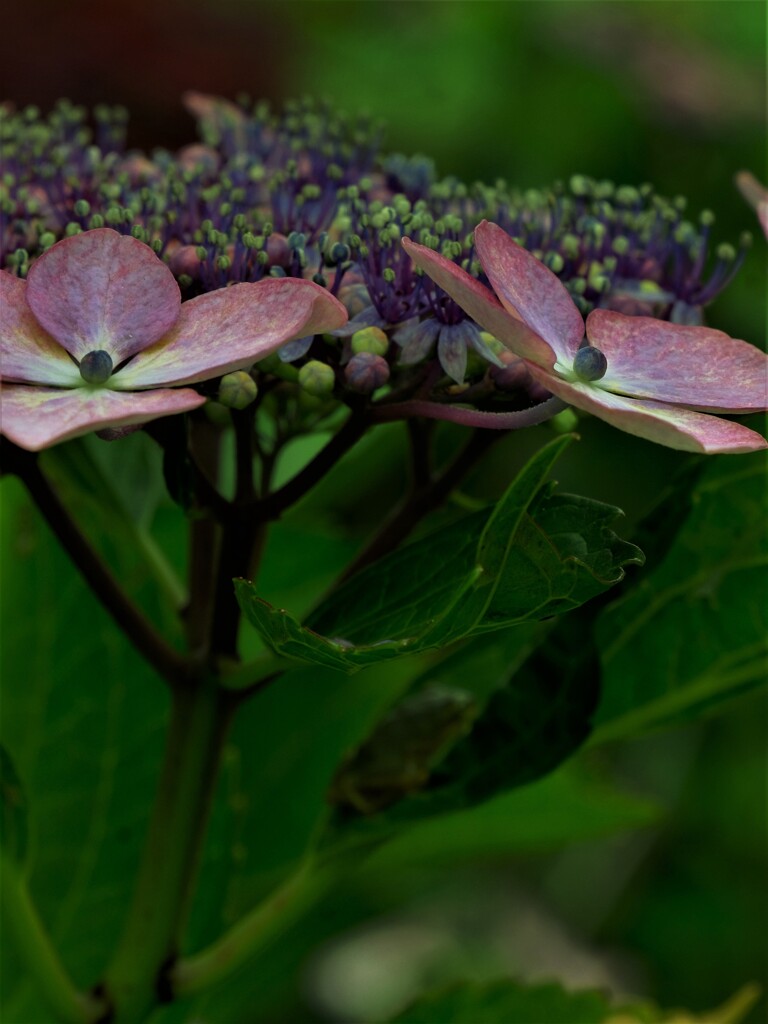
668,92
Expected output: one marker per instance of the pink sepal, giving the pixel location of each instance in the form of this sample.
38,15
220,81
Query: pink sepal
655,421
231,328
27,352
36,418
481,304
694,366
530,290
103,290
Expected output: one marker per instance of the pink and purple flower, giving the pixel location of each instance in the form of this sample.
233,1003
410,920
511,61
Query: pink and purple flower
648,377
97,337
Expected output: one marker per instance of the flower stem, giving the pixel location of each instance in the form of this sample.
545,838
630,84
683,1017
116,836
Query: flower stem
170,664
29,937
272,506
424,498
263,924
200,716
515,420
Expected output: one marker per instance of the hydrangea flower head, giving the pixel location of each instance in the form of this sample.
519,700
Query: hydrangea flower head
97,336
648,377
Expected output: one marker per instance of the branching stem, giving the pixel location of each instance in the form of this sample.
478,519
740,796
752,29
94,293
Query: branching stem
169,663
422,500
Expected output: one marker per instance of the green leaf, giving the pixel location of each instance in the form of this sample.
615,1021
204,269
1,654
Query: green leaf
526,729
118,483
693,633
507,1002
513,1002
13,812
534,555
569,805
85,715
87,720
498,540
290,639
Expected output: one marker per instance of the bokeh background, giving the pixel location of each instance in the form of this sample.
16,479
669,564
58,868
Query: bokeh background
668,92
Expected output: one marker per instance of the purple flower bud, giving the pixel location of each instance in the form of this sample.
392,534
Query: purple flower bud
366,372
279,251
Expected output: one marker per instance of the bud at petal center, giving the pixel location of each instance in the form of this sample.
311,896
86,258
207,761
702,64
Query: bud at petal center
96,367
590,364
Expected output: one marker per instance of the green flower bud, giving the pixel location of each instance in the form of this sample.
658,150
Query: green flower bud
274,365
554,261
316,378
564,422
370,339
237,390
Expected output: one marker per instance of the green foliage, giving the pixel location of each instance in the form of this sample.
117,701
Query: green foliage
83,721
692,633
128,502
535,555
528,726
509,1002
13,812
570,804
506,1002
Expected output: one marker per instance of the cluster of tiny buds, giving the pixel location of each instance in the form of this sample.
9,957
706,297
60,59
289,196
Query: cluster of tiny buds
307,193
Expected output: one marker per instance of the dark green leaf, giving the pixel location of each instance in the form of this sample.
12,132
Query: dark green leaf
513,1002
566,806
13,812
527,728
113,492
85,715
507,1002
290,639
535,555
693,633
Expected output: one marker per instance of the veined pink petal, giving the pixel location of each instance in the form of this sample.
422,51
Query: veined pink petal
481,304
663,424
530,290
694,366
36,418
232,328
103,290
27,352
